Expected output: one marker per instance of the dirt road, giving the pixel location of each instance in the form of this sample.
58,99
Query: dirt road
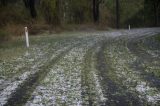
114,68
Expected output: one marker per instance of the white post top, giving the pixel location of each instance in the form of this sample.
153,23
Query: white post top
27,38
129,27
26,29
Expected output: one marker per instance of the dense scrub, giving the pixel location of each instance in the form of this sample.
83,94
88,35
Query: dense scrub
59,15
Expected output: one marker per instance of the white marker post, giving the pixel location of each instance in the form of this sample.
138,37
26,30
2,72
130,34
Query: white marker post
27,39
129,27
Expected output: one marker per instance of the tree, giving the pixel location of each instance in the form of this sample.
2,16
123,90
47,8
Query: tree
96,6
152,9
78,10
3,2
51,11
156,6
30,4
117,14
32,8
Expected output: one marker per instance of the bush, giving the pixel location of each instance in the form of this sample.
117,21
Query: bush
4,36
14,29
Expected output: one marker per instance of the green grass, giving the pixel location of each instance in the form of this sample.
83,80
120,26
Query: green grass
14,48
4,36
157,37
11,49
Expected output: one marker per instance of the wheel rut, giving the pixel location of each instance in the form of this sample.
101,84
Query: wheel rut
23,92
115,93
143,58
64,84
93,70
92,94
121,61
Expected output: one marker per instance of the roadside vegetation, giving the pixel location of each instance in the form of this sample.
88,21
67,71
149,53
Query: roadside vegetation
58,15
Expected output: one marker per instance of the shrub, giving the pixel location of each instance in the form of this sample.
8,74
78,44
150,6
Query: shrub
4,36
14,29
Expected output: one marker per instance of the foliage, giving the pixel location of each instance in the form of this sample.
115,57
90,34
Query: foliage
137,13
14,13
49,11
152,12
4,36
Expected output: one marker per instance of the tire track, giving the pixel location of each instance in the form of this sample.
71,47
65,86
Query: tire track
61,87
88,92
115,94
22,93
89,74
120,60
143,58
39,57
92,94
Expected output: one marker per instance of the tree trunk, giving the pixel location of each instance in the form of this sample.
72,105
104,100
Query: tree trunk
96,11
156,9
58,13
3,2
158,14
32,8
117,14
26,3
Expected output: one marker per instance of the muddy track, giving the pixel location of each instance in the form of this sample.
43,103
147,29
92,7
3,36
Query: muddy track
143,58
115,94
121,60
107,69
23,92
38,61
81,48
90,94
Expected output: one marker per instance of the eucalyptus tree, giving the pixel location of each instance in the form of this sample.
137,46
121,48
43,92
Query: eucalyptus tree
152,8
117,14
96,10
30,4
51,11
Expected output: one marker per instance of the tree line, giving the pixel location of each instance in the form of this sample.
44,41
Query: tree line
114,13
